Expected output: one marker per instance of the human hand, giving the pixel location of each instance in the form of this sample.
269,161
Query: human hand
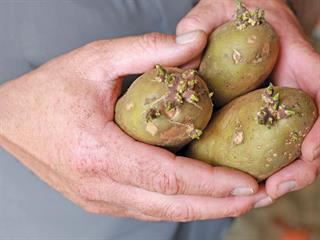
298,67
58,120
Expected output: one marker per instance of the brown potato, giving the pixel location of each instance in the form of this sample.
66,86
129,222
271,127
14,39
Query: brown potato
258,133
165,107
240,55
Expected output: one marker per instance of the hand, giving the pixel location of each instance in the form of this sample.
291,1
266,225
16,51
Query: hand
58,120
298,67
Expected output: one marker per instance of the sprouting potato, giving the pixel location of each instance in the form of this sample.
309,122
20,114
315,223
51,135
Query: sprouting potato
258,133
166,107
239,56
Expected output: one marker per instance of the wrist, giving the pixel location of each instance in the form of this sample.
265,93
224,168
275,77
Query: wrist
12,103
4,143
3,111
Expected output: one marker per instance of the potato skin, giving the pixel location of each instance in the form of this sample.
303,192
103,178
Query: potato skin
235,139
236,61
172,130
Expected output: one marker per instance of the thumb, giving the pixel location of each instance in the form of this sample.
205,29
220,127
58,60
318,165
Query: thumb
137,54
206,15
311,145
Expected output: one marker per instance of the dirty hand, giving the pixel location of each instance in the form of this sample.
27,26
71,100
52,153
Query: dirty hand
298,66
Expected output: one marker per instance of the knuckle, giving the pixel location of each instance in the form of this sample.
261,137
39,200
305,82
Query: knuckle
97,45
151,40
191,21
95,54
157,177
167,183
311,175
210,189
180,213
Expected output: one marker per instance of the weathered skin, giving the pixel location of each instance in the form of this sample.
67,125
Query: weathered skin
237,61
238,137
151,111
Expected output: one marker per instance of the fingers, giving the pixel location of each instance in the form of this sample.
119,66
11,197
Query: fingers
206,15
177,208
311,144
296,176
126,161
132,55
86,193
300,173
158,170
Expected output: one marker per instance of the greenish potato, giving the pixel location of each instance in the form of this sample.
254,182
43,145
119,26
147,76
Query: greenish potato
239,56
258,133
166,107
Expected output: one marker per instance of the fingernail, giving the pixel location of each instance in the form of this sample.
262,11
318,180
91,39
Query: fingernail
263,202
286,187
242,191
188,37
316,153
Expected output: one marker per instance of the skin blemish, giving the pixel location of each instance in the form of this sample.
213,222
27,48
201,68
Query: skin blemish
173,132
236,56
265,51
129,106
269,160
173,113
252,39
258,59
151,128
238,136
